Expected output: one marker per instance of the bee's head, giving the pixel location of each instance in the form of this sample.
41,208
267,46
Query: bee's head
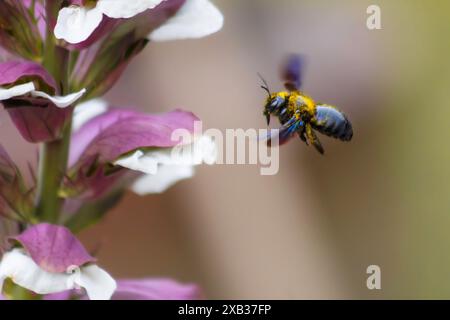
274,104
274,101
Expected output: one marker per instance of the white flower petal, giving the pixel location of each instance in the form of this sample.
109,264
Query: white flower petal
86,111
202,150
29,88
16,91
60,101
99,285
75,24
125,8
195,19
167,176
23,271
165,167
139,161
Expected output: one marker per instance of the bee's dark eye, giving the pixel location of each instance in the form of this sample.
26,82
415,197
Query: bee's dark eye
276,103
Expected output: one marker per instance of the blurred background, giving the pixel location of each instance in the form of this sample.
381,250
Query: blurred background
311,230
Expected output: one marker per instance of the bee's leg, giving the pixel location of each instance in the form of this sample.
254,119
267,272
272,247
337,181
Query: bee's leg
301,134
267,114
312,138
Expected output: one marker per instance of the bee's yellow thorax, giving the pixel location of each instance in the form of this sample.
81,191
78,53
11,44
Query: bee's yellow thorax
300,100
282,94
296,100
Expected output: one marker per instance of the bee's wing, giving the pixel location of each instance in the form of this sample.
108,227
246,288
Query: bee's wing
330,121
292,72
285,133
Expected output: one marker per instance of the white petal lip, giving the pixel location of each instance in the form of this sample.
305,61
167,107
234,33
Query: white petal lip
195,19
165,167
125,8
166,177
16,91
29,88
75,24
60,101
23,271
202,150
99,285
86,111
139,161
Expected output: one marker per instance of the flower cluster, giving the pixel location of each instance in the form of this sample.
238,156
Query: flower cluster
60,57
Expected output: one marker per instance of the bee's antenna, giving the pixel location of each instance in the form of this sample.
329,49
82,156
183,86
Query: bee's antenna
265,86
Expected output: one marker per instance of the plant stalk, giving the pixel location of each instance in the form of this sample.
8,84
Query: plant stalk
54,154
52,168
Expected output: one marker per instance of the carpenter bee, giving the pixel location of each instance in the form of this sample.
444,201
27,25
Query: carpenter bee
299,114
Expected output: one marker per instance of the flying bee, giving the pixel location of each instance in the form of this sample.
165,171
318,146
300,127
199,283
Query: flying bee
299,114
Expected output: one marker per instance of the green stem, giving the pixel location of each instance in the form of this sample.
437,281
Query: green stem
53,154
56,58
52,167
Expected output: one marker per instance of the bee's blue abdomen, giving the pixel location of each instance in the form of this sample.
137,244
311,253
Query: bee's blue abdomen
331,122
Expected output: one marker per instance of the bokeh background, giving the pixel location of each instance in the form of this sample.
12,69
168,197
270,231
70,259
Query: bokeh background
312,230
